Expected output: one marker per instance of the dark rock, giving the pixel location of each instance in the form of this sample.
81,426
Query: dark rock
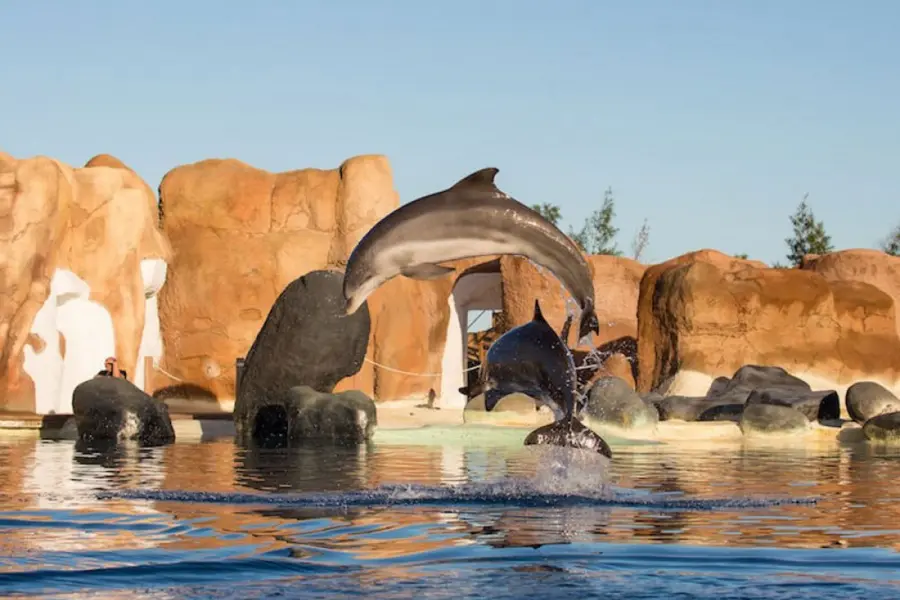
718,386
722,412
685,408
114,409
306,340
652,399
756,377
771,418
737,389
302,414
883,428
867,399
612,401
817,405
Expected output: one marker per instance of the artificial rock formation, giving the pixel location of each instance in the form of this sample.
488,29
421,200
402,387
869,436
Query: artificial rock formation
111,409
306,340
240,236
704,314
868,266
81,251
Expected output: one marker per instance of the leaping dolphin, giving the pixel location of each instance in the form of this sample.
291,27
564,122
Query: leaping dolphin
531,359
471,218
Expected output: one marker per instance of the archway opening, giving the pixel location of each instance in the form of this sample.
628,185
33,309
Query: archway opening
476,305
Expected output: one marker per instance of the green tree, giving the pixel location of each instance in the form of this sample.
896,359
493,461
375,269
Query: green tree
809,235
742,255
550,212
597,235
891,245
640,241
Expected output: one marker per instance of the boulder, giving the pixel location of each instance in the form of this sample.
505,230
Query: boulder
114,409
771,418
684,408
611,401
301,414
867,399
703,315
306,340
823,405
883,428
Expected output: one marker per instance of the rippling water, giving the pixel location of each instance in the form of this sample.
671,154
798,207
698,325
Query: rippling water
442,515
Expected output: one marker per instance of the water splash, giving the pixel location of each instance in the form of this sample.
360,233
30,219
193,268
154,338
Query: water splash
562,477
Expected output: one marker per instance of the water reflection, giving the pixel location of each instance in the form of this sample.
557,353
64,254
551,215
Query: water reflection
857,485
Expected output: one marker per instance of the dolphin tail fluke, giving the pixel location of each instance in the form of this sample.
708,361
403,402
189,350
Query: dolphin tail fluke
569,433
589,322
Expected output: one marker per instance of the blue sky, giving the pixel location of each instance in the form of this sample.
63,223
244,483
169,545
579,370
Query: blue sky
709,118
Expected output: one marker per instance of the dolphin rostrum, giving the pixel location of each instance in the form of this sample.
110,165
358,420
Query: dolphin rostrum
531,359
471,218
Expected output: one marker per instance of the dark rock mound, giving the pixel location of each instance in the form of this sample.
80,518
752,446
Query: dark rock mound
771,418
722,412
612,401
867,399
737,389
883,428
822,405
301,414
114,409
306,340
685,408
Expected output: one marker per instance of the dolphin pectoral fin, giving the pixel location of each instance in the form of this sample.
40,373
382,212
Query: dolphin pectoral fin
569,433
426,271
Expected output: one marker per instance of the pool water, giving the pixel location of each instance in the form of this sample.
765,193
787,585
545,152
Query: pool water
448,513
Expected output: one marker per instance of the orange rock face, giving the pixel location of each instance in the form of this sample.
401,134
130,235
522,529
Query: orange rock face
705,314
616,283
96,222
240,235
868,266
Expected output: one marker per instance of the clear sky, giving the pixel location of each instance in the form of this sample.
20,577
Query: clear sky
709,118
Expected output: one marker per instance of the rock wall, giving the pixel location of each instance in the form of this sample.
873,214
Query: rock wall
78,245
240,235
705,314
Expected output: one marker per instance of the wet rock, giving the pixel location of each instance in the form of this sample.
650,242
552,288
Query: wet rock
114,409
722,412
306,340
685,408
737,389
867,399
821,405
883,428
302,414
611,401
771,418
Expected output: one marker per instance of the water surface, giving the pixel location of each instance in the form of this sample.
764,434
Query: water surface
448,514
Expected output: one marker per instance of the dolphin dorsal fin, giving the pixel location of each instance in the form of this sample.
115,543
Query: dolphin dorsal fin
538,315
479,179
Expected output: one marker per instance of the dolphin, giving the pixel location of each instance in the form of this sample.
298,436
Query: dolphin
532,359
471,218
